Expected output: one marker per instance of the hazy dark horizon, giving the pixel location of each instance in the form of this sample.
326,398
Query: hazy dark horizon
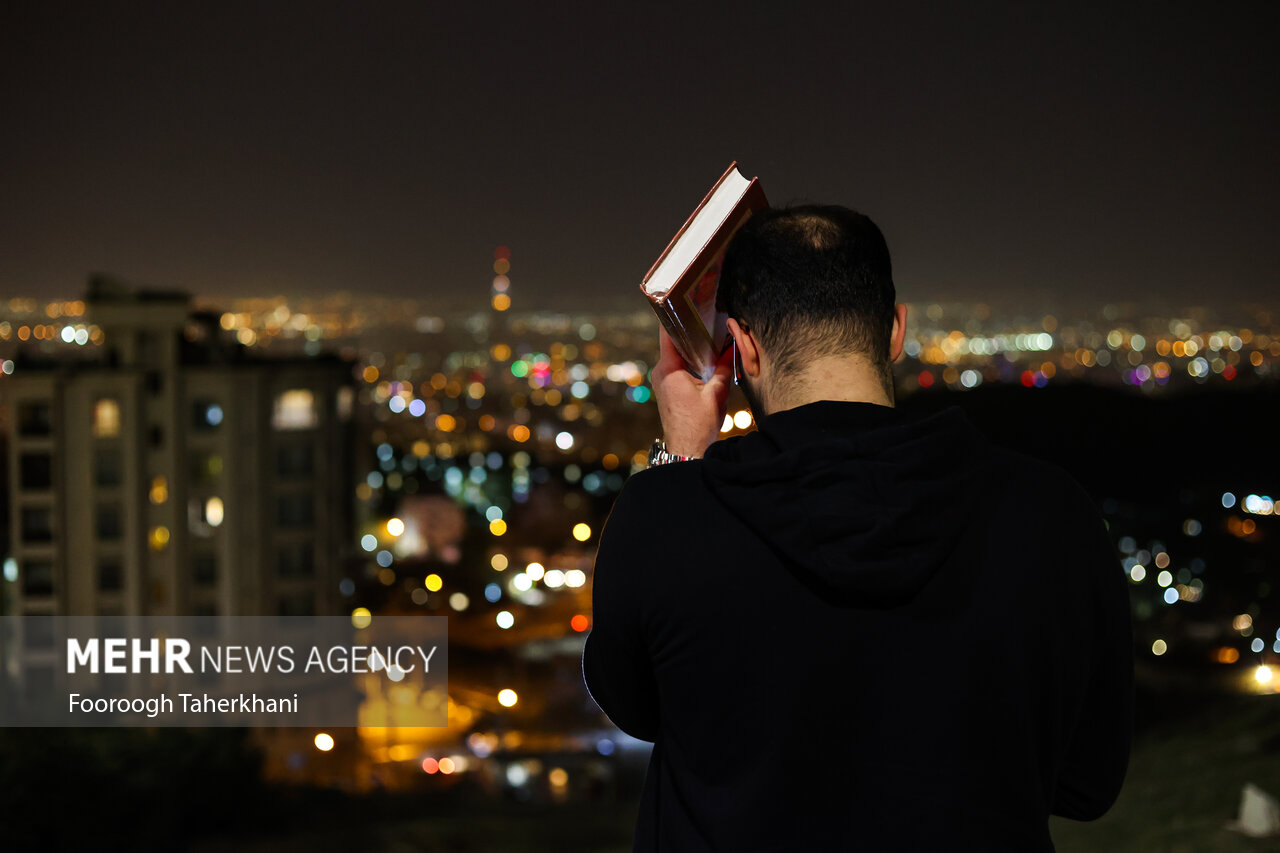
1009,153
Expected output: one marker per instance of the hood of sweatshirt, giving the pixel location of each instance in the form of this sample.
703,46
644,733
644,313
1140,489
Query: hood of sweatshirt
861,501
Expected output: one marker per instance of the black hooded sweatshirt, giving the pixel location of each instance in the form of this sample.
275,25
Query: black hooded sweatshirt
859,630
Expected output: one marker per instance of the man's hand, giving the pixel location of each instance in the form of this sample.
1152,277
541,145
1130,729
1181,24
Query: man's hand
691,410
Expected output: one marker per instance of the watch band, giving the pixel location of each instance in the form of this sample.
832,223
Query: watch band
659,455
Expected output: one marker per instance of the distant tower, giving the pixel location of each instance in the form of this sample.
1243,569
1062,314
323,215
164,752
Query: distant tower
500,296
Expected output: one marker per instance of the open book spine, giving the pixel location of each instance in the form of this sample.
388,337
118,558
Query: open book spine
688,311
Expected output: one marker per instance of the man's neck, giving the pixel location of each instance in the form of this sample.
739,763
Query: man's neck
841,378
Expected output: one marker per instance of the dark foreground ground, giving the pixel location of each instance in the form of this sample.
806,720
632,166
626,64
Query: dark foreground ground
1193,755
174,790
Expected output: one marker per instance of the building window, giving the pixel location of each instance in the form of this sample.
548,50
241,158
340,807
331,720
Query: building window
106,418
156,435
37,524
35,470
107,467
295,460
108,525
38,633
214,512
110,574
155,383
206,415
158,539
299,604
296,510
204,569
295,560
35,418
206,468
294,409
344,402
159,490
148,350
37,577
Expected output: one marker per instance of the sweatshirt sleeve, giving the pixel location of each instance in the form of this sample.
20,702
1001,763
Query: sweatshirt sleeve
615,662
1096,756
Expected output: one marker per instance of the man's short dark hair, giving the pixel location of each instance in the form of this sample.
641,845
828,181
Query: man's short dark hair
811,281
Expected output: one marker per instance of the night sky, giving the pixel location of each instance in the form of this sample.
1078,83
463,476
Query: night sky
1009,151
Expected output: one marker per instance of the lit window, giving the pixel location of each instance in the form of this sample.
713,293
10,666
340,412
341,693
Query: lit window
159,490
206,415
295,409
106,418
345,402
159,538
213,511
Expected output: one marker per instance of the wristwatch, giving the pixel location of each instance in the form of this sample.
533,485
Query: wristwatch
659,455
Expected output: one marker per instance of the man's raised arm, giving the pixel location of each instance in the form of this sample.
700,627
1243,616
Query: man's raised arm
616,662
691,410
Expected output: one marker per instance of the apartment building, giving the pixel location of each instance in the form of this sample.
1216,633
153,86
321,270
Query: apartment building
177,472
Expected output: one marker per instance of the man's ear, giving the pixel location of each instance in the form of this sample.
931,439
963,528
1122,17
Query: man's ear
748,350
898,333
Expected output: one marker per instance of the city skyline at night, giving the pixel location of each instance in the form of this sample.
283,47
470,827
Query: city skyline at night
1063,152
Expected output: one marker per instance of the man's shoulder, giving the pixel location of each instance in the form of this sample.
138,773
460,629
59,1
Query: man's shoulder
669,493
1006,460
1038,484
657,478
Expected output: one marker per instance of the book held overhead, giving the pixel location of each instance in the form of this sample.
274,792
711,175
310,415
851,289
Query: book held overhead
681,284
